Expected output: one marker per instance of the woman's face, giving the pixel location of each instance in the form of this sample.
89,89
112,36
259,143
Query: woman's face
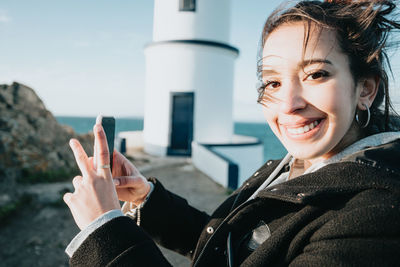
312,97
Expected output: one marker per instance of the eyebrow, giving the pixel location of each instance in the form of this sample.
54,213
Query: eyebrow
302,64
307,62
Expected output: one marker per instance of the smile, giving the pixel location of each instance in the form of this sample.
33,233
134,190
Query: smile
304,129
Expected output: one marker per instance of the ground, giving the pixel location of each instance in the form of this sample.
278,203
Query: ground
38,233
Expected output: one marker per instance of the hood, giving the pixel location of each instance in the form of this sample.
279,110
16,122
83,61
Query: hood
375,167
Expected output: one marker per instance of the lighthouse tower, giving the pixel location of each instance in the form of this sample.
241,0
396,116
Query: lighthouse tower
189,80
189,76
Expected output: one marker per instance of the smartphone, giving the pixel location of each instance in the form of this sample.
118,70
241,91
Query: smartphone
108,124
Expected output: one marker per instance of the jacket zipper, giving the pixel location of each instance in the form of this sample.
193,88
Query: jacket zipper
228,217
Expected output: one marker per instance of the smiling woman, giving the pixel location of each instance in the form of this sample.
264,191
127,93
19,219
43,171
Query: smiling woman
313,94
333,200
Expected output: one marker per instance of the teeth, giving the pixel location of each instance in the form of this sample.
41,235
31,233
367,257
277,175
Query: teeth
303,129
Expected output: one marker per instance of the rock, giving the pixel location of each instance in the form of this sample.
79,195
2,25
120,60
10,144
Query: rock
49,193
46,214
4,199
34,241
32,142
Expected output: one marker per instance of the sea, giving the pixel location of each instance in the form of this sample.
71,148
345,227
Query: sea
273,149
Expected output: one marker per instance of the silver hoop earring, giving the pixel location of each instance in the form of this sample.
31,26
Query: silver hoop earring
368,118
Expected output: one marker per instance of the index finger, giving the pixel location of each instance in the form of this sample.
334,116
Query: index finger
98,121
80,157
102,154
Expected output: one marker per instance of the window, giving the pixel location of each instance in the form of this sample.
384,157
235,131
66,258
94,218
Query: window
187,5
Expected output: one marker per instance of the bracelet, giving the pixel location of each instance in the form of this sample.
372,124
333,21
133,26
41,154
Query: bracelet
133,211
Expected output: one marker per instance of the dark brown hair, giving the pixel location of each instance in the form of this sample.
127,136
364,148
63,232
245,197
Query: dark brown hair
362,29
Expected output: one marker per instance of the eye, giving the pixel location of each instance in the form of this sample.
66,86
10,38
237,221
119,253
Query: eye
272,84
317,75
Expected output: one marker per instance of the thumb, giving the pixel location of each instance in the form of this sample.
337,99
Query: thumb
127,181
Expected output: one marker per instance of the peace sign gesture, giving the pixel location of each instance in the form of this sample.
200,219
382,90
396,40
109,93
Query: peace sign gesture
95,192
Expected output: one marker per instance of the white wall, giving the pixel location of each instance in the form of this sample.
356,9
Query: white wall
133,141
210,164
248,158
214,96
210,21
205,70
246,152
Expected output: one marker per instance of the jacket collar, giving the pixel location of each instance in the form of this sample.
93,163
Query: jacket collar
365,143
371,168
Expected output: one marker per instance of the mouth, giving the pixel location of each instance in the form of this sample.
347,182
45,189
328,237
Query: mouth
305,128
304,131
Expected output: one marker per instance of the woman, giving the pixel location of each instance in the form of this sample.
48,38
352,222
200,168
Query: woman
334,200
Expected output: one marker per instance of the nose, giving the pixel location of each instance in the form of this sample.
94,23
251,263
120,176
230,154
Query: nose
292,99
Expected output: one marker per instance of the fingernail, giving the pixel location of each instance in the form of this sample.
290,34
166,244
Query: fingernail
98,119
72,142
97,128
116,181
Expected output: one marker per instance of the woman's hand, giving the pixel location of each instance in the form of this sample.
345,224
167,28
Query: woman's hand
131,185
95,193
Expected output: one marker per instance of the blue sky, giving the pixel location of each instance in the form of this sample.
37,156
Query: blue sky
85,57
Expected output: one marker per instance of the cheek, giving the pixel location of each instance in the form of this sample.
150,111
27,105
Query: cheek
271,116
344,103
335,99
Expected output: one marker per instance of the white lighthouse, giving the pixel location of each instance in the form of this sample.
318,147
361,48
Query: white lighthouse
189,85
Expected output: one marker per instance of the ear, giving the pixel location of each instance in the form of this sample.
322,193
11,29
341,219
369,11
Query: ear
369,89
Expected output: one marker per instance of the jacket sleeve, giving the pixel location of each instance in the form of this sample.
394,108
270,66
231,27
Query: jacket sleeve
120,242
171,221
368,236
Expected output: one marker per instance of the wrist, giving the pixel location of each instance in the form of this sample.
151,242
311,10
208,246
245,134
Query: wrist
148,189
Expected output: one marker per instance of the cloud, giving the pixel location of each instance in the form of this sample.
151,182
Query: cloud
4,18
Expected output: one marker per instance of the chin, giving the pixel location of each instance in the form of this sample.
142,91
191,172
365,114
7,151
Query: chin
309,152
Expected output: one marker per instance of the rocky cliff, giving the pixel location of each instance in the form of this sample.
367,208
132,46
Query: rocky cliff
32,142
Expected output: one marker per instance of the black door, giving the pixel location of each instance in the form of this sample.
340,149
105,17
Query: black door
182,124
